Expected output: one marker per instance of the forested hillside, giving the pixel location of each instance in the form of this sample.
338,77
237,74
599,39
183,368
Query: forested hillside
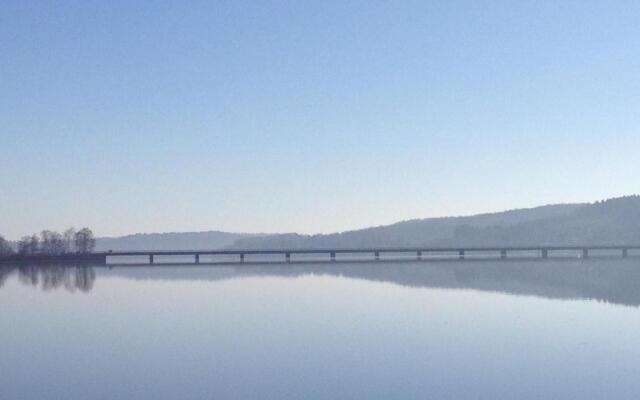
603,222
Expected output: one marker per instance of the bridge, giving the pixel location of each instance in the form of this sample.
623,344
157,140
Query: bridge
331,255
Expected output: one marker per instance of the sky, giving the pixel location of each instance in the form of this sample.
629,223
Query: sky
283,116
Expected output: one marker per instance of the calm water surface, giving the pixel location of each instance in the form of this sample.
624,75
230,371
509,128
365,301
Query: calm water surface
455,330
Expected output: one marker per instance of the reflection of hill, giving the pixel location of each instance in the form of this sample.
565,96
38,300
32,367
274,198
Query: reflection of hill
609,280
614,281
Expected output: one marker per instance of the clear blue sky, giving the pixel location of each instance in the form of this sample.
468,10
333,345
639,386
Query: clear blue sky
310,116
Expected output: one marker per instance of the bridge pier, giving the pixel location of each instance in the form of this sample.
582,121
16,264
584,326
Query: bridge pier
503,254
241,258
461,254
419,255
377,255
288,257
333,256
197,258
545,253
625,253
585,253
150,258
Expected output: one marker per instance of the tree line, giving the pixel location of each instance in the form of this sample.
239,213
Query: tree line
52,243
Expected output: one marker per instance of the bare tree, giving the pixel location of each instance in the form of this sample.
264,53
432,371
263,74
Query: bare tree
45,242
51,243
84,240
69,237
23,245
5,247
34,244
29,245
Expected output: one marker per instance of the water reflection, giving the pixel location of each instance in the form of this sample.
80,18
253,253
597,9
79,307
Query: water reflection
608,280
345,330
613,281
50,277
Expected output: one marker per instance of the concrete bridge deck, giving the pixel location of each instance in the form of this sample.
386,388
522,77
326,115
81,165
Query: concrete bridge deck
240,255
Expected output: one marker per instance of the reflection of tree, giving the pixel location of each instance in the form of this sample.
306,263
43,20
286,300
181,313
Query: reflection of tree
51,277
4,274
28,274
85,277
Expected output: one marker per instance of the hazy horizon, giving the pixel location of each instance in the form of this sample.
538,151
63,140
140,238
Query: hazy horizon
355,228
275,232
535,213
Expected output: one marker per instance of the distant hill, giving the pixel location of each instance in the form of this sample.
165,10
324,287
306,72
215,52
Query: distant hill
614,221
170,241
603,222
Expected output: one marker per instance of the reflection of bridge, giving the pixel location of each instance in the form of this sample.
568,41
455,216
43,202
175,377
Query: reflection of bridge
371,254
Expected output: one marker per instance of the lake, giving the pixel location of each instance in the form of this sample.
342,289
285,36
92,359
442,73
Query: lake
379,330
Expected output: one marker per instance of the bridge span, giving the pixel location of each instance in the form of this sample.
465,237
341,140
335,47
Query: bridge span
331,255
374,254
